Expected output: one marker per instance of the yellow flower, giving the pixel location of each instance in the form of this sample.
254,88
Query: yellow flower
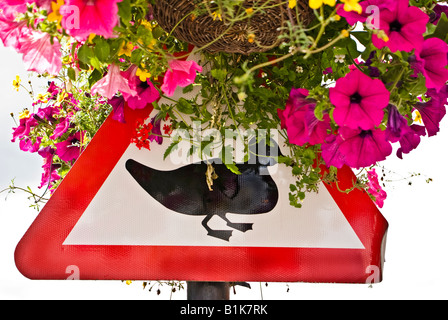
142,74
251,37
352,5
345,33
16,83
249,11
126,49
418,117
217,15
42,97
25,114
292,4
55,14
316,4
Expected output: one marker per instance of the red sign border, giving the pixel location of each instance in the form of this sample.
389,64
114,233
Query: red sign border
41,255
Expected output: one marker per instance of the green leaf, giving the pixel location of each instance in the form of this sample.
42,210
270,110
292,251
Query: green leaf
124,10
102,49
173,146
184,106
85,53
219,74
232,167
441,30
71,74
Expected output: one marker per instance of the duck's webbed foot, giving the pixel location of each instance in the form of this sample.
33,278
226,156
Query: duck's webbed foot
220,234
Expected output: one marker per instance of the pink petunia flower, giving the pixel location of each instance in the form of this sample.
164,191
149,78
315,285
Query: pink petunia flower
11,31
41,53
356,148
431,61
359,101
10,8
404,25
113,82
375,189
179,74
84,17
300,121
145,91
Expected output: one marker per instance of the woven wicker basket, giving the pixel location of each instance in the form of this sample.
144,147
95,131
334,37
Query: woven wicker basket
175,16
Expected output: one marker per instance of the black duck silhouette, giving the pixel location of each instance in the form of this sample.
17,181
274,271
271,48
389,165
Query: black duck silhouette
185,190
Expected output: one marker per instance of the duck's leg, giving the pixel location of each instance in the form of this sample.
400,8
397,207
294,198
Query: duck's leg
243,227
220,234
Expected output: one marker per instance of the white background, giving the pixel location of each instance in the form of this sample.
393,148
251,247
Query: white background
416,252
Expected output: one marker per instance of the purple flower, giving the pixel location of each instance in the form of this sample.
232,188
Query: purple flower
117,103
156,132
398,130
434,110
404,25
300,121
356,148
438,10
359,101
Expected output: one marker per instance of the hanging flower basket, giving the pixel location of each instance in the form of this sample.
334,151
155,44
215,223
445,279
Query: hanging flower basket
203,25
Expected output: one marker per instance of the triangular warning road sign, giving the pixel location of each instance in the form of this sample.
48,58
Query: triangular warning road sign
103,224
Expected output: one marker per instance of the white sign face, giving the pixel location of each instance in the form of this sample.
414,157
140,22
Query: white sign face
123,213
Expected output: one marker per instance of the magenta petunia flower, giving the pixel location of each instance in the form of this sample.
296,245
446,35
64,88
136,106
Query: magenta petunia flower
69,149
404,25
434,110
353,17
179,74
359,101
24,128
375,189
27,145
50,174
431,61
300,122
84,17
410,139
356,148
113,82
61,128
